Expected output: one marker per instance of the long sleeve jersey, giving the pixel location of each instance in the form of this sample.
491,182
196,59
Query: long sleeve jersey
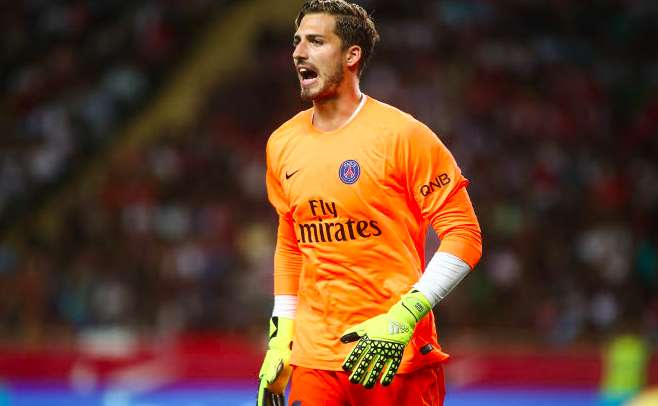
354,205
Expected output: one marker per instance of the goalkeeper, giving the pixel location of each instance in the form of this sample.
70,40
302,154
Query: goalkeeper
356,183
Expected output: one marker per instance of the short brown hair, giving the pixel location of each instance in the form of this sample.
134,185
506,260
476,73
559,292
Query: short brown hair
354,26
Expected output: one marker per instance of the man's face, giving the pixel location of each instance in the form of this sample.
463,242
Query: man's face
318,57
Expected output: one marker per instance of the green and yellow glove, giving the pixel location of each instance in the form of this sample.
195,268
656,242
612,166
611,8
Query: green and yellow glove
381,340
275,371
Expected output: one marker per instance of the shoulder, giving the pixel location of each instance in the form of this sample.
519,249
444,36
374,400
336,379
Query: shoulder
391,115
286,135
404,126
288,130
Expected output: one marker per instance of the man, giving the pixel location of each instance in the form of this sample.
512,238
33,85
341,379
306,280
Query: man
355,183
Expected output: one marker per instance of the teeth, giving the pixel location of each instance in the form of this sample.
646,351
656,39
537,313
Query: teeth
306,73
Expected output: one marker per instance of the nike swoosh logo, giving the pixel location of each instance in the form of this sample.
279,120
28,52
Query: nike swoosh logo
289,175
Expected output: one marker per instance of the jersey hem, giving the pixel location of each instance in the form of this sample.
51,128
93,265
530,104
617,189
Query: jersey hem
337,365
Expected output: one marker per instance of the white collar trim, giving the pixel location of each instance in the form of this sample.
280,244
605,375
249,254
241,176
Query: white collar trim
349,120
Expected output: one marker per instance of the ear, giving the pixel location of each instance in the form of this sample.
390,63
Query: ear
353,56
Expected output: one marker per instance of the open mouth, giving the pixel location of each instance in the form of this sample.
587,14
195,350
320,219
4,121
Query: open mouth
307,76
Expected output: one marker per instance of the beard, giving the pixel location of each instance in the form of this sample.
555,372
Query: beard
328,89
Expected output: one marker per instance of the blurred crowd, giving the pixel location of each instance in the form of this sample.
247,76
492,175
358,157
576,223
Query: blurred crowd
550,108
73,71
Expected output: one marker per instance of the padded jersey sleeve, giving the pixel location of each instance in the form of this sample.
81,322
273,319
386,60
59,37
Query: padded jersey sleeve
438,187
287,256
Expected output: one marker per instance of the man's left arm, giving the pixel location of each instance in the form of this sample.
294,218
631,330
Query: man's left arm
460,250
434,179
439,189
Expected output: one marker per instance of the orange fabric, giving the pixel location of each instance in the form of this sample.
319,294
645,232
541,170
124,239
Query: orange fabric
458,233
312,387
287,258
351,243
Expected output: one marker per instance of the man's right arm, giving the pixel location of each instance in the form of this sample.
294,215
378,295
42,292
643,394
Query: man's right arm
275,371
287,259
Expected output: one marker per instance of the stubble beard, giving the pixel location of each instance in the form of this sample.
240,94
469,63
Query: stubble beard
330,87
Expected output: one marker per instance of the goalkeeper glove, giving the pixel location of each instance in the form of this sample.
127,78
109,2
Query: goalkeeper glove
381,340
275,371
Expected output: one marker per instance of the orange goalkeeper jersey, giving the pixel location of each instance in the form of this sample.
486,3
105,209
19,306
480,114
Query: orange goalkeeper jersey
354,205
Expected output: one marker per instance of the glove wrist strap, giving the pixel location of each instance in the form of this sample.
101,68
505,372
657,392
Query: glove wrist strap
416,305
281,330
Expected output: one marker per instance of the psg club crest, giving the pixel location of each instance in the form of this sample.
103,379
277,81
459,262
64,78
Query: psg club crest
349,171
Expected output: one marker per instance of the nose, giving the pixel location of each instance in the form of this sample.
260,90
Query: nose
299,53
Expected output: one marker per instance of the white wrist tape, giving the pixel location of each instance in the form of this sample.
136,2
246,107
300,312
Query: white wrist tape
285,306
442,274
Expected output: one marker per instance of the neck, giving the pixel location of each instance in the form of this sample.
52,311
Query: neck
332,113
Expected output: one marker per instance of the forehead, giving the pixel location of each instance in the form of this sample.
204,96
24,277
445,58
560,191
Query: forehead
317,24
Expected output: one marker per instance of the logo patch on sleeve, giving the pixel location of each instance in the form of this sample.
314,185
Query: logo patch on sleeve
349,171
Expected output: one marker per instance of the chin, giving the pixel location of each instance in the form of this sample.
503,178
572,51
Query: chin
318,95
309,95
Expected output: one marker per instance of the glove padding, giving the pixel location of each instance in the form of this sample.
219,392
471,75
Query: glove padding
382,339
267,398
275,371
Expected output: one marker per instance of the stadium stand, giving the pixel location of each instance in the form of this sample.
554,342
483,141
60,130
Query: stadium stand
551,109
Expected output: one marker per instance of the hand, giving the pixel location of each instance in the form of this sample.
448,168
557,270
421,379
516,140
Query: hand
275,371
267,398
382,339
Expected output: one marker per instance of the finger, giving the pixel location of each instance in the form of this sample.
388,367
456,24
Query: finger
277,399
260,401
352,334
371,377
349,337
268,398
354,355
390,370
362,365
277,371
272,371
